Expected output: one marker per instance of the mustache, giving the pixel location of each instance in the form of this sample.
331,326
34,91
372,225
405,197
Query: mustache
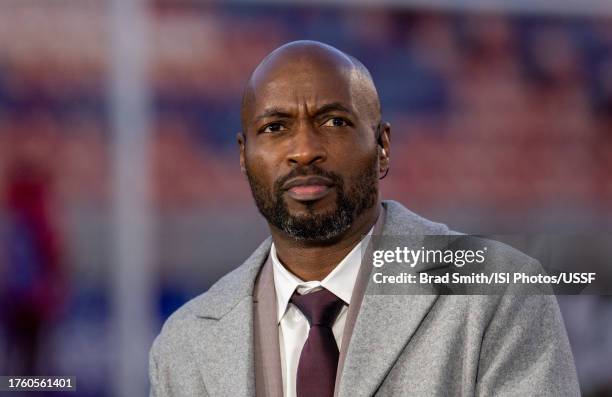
309,170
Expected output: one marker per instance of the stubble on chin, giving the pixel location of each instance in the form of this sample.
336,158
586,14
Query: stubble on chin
317,226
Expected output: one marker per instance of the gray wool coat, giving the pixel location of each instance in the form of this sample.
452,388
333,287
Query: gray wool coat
225,341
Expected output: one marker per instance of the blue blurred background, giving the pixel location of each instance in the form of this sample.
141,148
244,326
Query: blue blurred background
120,190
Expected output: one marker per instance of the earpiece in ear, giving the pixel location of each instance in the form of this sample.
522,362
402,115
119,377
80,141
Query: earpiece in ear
379,135
384,153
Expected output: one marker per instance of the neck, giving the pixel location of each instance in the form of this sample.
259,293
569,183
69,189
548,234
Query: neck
310,261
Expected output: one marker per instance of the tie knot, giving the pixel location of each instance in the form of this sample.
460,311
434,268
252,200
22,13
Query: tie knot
320,307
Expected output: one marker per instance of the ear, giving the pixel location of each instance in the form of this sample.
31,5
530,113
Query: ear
384,148
241,139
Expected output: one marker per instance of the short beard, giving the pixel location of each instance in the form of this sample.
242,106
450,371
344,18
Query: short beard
318,228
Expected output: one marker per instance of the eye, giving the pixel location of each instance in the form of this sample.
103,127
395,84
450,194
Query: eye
336,122
273,128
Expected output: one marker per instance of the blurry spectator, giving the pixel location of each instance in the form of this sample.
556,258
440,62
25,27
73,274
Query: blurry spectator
32,286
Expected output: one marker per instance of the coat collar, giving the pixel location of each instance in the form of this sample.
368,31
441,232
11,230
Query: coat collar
384,325
224,295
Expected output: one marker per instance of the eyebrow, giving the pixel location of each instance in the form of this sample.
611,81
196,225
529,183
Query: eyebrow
281,113
332,107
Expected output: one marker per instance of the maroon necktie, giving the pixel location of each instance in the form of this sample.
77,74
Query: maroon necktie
316,374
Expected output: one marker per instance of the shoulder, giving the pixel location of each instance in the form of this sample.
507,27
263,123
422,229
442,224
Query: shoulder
401,221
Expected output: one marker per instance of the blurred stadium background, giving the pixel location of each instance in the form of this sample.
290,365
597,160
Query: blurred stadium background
120,190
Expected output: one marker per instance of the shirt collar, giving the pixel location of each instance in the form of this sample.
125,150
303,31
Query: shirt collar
340,281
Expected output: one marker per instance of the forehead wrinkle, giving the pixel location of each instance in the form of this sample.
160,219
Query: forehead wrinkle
303,94
308,59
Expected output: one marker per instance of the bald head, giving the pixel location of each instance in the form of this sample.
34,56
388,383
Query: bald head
317,145
296,65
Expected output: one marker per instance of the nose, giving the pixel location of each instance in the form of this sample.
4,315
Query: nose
306,147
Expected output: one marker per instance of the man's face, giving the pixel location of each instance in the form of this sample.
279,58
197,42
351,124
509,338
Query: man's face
310,151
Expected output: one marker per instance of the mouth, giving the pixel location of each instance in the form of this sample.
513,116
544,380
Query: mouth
308,188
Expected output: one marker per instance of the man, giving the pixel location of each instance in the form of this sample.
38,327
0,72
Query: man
302,316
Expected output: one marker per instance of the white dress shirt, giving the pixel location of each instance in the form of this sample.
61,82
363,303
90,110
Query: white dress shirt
293,326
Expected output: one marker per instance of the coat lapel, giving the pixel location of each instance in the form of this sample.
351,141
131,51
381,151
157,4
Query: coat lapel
386,320
384,327
224,342
225,353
